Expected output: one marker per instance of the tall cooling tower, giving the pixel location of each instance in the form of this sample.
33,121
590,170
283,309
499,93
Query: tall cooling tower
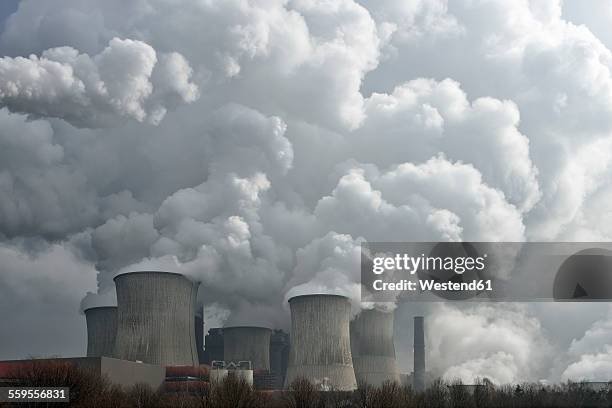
372,348
320,342
155,318
101,330
419,354
242,343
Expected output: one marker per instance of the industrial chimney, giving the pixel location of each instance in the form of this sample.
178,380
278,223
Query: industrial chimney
320,342
101,330
155,318
372,348
419,354
247,343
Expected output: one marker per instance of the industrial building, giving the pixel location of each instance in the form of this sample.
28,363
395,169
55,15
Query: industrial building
279,356
320,342
101,330
213,345
121,372
199,334
372,348
155,318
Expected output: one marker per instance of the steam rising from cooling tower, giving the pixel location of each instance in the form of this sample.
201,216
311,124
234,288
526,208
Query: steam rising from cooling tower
155,318
248,344
101,330
419,354
320,342
372,348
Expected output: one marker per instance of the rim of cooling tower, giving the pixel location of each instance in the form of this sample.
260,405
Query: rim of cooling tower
151,272
316,295
99,307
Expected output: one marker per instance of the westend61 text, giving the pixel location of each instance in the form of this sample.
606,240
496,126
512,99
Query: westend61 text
432,285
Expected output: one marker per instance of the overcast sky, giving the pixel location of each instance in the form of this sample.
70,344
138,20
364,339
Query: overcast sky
254,145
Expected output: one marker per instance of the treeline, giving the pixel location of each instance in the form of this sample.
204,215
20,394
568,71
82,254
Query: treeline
87,389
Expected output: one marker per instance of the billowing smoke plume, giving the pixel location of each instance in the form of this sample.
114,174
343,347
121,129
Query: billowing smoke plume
254,146
125,80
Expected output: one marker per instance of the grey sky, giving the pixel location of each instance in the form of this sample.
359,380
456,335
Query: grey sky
7,7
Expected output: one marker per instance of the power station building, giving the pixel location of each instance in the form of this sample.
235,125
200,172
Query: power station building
213,345
320,342
155,318
199,334
101,330
372,348
279,356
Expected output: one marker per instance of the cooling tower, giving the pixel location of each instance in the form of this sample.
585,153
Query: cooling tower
372,348
419,354
101,330
244,343
320,342
155,318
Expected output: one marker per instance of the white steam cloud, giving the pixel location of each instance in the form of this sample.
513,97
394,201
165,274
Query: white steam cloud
125,80
285,134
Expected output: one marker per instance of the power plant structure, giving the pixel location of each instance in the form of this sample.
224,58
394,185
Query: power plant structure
155,318
101,330
419,354
199,333
213,345
279,356
320,342
372,348
247,343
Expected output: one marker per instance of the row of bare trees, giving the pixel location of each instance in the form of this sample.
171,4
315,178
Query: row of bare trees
88,389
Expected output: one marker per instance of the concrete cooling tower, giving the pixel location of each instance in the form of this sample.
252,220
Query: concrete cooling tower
155,318
372,348
244,343
419,354
320,342
101,330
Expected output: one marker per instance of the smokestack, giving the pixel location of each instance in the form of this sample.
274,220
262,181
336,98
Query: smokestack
245,343
155,318
419,354
320,342
101,330
372,348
